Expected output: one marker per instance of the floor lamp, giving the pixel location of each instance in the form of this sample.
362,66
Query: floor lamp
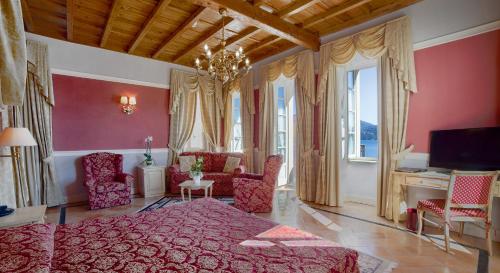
15,138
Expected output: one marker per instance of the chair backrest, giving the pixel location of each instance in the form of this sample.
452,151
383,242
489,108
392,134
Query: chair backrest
272,168
215,162
102,167
471,189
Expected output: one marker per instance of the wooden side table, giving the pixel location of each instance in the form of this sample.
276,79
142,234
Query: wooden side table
189,185
24,216
151,180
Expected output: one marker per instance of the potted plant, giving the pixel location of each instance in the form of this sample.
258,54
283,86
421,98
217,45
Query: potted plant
195,172
148,161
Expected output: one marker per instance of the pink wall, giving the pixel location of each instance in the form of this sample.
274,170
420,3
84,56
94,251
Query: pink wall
87,115
458,87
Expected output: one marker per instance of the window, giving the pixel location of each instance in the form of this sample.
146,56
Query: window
197,140
362,114
282,124
237,139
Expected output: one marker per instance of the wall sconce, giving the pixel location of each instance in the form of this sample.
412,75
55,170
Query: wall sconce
128,104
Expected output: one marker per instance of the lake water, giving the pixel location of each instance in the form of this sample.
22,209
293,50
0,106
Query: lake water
371,148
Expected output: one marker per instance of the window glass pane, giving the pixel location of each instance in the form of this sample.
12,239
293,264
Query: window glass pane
368,112
282,151
281,92
350,143
281,123
281,140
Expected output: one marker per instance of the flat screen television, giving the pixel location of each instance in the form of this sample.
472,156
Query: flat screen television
475,149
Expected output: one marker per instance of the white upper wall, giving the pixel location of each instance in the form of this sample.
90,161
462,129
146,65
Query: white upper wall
430,19
102,62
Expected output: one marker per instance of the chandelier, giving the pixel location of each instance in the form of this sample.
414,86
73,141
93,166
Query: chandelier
223,65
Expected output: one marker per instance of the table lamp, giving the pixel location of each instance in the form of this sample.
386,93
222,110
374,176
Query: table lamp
16,138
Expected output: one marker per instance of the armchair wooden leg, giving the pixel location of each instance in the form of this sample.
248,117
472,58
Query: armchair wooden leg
447,237
420,221
489,239
461,230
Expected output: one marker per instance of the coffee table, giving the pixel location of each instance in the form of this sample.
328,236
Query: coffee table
190,185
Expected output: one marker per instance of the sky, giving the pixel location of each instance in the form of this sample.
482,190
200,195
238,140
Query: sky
368,93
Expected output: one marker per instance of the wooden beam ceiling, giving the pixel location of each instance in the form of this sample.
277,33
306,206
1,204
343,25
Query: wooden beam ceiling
247,32
70,17
148,24
252,15
109,24
203,39
295,7
185,25
337,10
27,18
266,42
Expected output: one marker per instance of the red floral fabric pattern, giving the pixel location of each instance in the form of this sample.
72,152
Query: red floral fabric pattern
213,167
27,248
436,206
200,236
256,195
106,183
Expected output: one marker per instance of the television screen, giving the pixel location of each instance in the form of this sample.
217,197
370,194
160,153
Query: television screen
475,149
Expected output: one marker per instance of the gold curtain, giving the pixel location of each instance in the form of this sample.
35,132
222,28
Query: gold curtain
247,117
183,88
391,42
229,89
13,59
211,111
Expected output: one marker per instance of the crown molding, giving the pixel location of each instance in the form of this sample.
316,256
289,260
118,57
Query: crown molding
106,78
457,35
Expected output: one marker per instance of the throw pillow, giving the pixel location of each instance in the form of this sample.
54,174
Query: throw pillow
186,162
231,164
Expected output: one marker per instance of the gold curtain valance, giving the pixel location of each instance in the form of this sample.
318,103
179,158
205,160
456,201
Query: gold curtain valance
392,37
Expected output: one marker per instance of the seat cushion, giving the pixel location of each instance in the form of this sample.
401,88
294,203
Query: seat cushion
436,206
110,186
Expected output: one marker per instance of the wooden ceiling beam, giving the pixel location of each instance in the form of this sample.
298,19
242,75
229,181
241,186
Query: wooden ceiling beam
70,17
251,15
247,32
109,23
256,58
27,18
337,10
203,39
262,44
146,27
295,7
185,25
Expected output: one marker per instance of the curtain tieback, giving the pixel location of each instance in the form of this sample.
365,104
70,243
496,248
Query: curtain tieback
48,159
401,155
307,153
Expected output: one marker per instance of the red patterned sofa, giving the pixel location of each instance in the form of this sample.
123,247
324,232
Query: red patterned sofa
213,167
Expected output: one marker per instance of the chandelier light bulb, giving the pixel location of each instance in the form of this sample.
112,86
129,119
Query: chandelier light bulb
205,47
234,67
197,61
237,54
209,53
240,49
247,61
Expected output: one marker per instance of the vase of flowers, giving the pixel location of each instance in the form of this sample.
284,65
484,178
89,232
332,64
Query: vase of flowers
195,172
148,161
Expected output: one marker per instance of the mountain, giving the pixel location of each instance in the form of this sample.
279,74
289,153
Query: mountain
368,131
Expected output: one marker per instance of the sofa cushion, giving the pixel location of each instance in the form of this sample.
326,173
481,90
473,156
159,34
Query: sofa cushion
111,186
231,164
27,248
185,162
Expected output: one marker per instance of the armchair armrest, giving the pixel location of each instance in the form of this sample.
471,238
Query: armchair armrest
174,168
90,182
251,176
125,178
239,170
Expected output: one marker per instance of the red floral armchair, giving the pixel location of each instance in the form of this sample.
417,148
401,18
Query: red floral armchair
253,192
107,185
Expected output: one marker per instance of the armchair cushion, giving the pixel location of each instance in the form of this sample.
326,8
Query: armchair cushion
111,186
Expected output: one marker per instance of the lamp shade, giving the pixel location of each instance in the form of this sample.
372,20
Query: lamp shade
17,137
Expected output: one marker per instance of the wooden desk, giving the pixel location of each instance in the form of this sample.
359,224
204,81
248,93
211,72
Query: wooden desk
429,180
24,216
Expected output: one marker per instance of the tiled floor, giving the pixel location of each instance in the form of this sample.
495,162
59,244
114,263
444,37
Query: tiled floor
412,253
